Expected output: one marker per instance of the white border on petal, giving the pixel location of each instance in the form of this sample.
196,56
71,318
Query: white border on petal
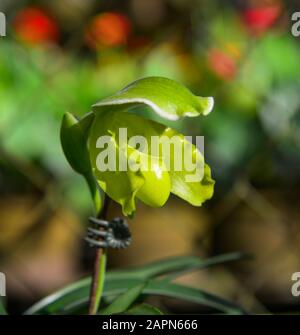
149,103
156,109
210,105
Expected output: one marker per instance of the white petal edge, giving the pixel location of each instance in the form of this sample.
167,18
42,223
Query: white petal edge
210,105
149,103
156,109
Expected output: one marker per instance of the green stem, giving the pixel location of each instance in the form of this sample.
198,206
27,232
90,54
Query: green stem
99,271
98,280
95,192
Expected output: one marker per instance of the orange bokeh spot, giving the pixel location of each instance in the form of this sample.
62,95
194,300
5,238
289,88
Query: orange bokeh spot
34,26
222,65
108,29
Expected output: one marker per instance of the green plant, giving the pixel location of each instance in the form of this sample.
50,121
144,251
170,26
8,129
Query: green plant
121,290
80,137
151,279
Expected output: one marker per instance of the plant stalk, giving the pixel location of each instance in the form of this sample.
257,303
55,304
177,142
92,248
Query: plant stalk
99,270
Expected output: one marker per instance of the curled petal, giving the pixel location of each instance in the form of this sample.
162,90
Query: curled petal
166,97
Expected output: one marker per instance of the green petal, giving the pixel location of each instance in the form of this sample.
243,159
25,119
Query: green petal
121,186
166,97
124,186
194,192
73,135
155,179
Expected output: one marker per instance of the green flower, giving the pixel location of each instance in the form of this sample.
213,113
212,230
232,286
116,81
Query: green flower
123,161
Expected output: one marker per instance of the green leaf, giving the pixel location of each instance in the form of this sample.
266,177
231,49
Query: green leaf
166,97
190,294
79,291
175,266
158,268
153,287
67,297
124,301
143,309
209,262
74,296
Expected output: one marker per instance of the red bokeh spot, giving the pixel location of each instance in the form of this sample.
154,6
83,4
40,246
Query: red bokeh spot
259,20
107,30
222,65
34,26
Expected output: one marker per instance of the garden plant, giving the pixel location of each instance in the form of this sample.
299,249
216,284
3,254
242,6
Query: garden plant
144,176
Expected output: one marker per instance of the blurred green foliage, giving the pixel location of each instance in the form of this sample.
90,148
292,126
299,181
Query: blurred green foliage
254,81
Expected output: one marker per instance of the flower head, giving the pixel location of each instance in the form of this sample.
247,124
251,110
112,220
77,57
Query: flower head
132,157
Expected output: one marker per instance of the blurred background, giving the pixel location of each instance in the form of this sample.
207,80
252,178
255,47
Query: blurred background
65,55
